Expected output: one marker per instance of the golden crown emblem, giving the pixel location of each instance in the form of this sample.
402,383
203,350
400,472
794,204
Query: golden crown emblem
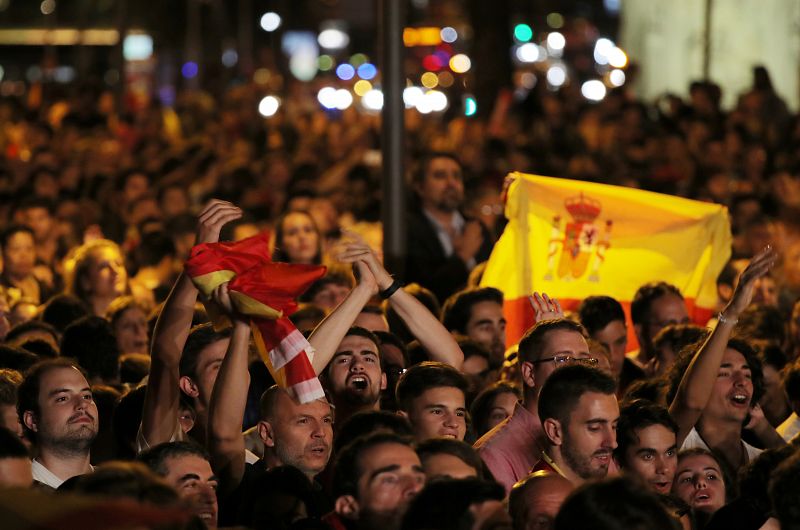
583,209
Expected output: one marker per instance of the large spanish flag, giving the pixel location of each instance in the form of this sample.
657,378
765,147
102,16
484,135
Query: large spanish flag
573,239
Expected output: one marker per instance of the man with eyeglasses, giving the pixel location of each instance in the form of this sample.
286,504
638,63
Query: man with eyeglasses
579,413
654,307
512,448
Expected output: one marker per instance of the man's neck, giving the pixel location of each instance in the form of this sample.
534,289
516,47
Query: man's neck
530,401
554,454
444,218
724,436
271,461
64,465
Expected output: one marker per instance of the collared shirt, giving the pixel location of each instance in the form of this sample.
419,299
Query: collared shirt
45,476
513,447
547,464
695,441
457,224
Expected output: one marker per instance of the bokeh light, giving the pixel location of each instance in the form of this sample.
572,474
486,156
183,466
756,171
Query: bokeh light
268,106
345,72
270,21
448,34
523,33
367,71
189,70
460,63
593,90
429,80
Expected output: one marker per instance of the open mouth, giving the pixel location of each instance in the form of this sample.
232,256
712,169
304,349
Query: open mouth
359,382
319,450
702,498
740,399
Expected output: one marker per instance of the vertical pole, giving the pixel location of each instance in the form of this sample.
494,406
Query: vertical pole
118,53
245,32
392,132
707,40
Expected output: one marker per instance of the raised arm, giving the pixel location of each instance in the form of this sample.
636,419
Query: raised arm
228,401
329,333
423,324
697,384
160,413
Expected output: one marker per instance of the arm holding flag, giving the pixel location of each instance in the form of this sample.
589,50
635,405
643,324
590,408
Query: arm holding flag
160,414
229,399
430,332
697,384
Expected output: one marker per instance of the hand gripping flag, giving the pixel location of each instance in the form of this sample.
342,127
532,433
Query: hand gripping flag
264,291
572,239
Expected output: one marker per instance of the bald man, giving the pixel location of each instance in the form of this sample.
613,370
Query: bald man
535,500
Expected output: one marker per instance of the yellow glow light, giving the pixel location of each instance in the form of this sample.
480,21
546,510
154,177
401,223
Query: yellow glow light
429,80
460,63
362,87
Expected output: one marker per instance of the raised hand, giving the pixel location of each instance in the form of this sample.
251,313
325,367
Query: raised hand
545,308
469,242
214,216
355,250
758,267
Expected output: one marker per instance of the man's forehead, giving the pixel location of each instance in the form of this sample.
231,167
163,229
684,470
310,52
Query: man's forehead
387,454
485,309
357,343
63,376
565,340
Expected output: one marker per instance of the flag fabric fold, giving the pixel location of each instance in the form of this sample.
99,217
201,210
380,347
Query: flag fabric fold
266,292
573,239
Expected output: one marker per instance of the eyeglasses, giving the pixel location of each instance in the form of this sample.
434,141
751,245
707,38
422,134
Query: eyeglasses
563,360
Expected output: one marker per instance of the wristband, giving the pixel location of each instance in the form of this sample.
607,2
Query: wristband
389,291
722,318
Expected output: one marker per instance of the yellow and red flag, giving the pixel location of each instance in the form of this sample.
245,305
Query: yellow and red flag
572,239
266,292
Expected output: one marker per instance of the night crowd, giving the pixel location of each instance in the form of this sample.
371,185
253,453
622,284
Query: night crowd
121,406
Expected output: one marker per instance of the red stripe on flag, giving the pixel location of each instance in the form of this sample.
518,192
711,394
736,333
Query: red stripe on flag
519,317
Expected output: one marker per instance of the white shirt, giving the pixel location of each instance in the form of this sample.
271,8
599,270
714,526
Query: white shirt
457,227
695,441
45,476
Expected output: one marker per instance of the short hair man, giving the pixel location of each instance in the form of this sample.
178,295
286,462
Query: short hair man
9,383
579,413
445,245
604,320
535,500
512,448
432,396
375,478
478,314
185,466
354,377
15,462
59,416
654,307
647,445
372,318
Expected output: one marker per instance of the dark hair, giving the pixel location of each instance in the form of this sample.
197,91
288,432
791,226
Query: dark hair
563,389
119,305
596,312
199,338
28,390
152,248
614,504
461,450
11,446
127,480
91,341
387,337
646,295
367,422
445,504
773,356
652,390
334,276
12,230
532,343
33,201
347,470
424,376
62,310
307,311
41,348
26,327
156,457
728,274
784,490
14,358
754,477
279,254
482,404
791,382
133,367
637,415
126,419
458,308
762,322
425,160
678,336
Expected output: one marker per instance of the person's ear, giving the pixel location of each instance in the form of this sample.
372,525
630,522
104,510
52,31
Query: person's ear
553,431
346,506
29,419
384,382
266,433
189,387
527,369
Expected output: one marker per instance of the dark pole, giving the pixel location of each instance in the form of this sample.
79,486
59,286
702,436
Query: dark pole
392,128
707,40
118,53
